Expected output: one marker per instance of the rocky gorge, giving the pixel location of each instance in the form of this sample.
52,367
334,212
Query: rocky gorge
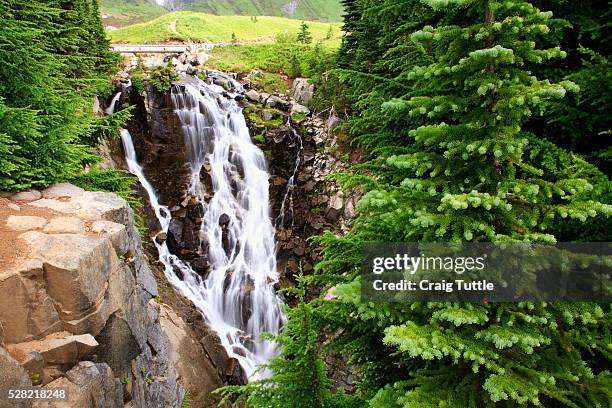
96,313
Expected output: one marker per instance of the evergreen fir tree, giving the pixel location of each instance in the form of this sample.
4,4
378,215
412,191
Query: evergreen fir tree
352,15
296,66
451,161
304,36
49,70
298,378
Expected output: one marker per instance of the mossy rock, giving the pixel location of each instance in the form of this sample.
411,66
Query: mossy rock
259,139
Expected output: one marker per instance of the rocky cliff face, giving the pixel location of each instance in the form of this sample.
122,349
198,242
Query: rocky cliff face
301,147
77,302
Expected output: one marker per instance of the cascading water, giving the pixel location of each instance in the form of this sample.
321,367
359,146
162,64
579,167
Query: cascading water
236,228
111,106
237,298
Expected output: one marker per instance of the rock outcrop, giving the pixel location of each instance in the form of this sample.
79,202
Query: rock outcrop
77,308
303,91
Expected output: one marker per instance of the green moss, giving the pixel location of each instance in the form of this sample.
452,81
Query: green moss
270,82
259,139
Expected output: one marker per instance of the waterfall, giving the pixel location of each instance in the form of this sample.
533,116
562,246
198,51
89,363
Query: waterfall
111,106
236,228
237,298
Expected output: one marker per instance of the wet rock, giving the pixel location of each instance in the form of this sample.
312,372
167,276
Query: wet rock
278,103
253,95
224,220
200,265
175,230
190,70
229,369
297,108
191,239
160,237
292,265
223,81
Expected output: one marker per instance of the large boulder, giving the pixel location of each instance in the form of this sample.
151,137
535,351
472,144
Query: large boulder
62,190
77,269
303,91
87,385
26,310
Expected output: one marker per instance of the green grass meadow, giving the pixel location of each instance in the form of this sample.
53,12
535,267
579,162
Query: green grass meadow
201,27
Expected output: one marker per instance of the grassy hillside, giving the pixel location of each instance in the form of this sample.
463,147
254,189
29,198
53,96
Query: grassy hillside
200,27
124,12
272,58
323,10
119,13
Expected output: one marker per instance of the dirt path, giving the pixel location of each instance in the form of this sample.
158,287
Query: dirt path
172,28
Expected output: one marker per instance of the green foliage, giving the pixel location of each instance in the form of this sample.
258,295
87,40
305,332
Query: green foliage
161,78
312,60
304,36
581,121
122,12
185,403
296,66
443,96
52,62
299,378
285,37
269,82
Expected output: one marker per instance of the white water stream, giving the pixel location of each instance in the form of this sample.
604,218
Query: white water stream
237,298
